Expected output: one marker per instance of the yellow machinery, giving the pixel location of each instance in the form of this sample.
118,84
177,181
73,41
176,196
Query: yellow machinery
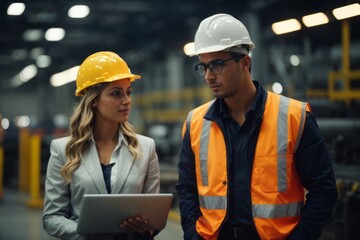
30,167
345,76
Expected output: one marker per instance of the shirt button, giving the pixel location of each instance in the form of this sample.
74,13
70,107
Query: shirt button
224,182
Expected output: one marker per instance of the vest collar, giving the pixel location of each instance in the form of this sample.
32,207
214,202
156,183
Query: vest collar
216,110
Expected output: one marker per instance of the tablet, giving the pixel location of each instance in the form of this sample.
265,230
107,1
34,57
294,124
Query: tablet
103,213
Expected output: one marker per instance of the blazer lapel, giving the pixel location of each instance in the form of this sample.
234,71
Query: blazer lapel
125,163
91,162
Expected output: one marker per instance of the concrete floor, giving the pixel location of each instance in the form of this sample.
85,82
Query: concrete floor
19,222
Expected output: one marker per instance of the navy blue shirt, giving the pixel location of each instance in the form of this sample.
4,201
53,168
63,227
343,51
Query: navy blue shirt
106,169
239,165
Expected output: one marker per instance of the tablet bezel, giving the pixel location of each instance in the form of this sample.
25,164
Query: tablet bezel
103,213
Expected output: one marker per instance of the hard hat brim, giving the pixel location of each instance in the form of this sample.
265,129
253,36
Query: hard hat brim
208,50
132,78
215,49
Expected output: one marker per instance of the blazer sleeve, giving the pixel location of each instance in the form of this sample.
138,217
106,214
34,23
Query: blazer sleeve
57,211
152,180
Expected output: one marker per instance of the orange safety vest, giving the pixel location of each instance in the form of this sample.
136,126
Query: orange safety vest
276,191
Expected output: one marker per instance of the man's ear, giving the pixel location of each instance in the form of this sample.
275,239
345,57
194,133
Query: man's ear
246,62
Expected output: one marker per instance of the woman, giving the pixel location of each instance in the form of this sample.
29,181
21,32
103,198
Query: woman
103,154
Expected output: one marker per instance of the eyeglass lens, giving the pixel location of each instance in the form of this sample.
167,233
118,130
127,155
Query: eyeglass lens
215,66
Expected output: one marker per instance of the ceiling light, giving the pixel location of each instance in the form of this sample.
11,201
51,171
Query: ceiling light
79,11
43,61
286,26
64,77
25,75
15,81
315,19
16,9
54,34
189,48
33,35
28,73
347,11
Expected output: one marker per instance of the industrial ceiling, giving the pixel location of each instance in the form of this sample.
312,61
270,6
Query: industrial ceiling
143,30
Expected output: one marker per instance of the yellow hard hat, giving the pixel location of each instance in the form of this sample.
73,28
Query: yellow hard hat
102,67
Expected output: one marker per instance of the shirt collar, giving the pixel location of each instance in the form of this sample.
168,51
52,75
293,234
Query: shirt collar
121,138
223,109
218,108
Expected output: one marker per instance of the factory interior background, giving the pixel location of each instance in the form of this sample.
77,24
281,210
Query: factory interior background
42,46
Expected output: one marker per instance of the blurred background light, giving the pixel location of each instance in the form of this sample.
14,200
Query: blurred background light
43,61
315,19
64,77
61,121
189,48
54,34
348,11
33,35
79,11
286,26
16,9
277,88
5,123
295,60
22,121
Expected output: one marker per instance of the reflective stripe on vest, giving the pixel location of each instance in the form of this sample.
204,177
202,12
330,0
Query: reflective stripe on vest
282,137
204,143
213,202
277,210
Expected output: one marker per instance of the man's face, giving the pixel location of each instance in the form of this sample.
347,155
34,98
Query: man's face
223,74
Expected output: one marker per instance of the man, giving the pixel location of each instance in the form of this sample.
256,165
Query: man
248,155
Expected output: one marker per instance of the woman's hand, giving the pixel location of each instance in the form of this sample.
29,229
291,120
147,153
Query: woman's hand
138,224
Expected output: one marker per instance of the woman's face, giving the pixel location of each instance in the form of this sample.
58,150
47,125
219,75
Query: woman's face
114,102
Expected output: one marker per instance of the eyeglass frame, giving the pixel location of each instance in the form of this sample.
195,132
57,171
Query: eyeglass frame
221,62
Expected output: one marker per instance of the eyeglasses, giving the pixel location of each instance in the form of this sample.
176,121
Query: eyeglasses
216,66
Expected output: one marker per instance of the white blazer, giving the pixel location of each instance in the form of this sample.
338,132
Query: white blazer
62,202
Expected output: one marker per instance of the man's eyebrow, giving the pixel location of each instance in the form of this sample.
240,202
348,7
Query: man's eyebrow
212,61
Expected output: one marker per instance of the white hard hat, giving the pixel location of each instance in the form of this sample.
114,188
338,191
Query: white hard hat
220,32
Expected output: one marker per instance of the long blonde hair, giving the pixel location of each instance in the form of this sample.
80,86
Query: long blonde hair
81,126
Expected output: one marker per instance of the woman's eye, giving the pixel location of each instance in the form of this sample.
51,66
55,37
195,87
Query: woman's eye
121,92
115,93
